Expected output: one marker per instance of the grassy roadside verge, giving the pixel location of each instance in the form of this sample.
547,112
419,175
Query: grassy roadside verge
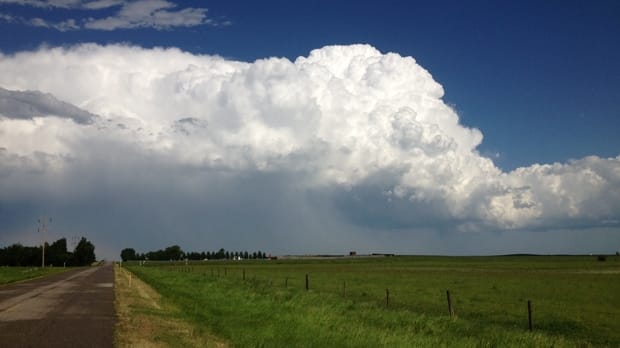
144,319
15,274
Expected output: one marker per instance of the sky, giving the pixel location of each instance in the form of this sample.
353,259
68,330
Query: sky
458,128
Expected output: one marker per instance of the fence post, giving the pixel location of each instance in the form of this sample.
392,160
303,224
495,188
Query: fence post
387,297
244,274
286,282
529,314
307,285
344,288
450,309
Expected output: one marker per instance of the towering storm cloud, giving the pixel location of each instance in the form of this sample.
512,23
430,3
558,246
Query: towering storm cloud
318,150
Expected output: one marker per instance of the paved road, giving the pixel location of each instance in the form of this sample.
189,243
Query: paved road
72,309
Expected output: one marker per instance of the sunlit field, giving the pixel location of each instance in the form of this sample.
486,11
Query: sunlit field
397,301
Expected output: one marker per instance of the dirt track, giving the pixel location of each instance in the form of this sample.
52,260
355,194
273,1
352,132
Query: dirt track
72,309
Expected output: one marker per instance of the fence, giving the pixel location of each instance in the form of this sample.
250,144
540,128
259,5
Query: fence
214,273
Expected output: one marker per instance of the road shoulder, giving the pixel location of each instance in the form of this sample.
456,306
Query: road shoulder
144,319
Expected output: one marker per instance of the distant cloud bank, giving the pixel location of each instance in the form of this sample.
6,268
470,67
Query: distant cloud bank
346,138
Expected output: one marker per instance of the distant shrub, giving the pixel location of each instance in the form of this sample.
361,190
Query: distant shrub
601,258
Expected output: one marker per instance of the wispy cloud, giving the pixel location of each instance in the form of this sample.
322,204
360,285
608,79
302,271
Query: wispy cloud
101,4
7,18
67,4
69,24
155,14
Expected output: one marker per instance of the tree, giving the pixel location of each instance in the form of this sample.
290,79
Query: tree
194,255
12,255
128,254
57,254
84,253
173,252
19,255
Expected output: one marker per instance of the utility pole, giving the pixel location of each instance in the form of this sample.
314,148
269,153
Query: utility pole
43,221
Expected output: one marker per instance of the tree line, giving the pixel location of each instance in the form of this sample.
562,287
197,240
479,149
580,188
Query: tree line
56,254
175,252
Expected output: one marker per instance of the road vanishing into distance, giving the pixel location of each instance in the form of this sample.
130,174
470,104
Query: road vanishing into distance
71,309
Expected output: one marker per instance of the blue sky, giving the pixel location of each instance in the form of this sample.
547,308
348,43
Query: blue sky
540,80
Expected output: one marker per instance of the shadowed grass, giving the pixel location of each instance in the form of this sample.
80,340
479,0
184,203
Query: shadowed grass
15,274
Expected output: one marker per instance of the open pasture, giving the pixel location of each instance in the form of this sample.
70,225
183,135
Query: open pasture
398,301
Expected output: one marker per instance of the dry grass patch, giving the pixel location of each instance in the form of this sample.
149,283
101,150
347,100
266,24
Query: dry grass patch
144,319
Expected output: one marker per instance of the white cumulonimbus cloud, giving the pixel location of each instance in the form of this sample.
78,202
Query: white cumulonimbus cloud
367,133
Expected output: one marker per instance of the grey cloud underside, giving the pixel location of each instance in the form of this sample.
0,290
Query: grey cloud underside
31,104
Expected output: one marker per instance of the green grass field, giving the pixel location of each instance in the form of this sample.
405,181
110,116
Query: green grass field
575,301
15,274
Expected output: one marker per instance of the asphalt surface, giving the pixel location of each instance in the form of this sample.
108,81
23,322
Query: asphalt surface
72,309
